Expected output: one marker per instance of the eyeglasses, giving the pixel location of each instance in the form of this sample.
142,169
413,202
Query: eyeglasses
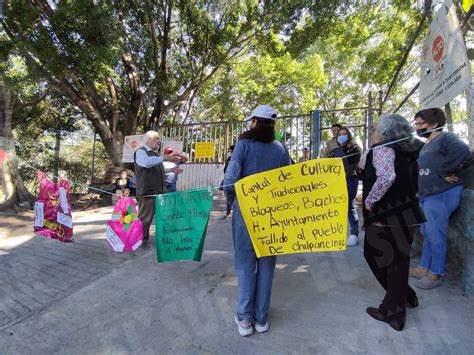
420,124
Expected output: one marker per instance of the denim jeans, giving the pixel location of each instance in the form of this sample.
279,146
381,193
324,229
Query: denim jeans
437,209
171,186
255,276
352,185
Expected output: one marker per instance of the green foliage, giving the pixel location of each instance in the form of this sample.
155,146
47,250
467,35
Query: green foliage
75,159
283,82
126,64
362,54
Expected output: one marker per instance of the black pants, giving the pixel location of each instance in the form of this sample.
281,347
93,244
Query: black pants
146,213
387,251
229,196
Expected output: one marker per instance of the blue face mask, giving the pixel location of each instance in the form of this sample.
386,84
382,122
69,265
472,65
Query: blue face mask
342,139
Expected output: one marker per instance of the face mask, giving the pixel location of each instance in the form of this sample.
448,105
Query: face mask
342,139
422,132
250,125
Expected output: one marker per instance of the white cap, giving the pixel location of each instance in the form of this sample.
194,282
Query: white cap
263,111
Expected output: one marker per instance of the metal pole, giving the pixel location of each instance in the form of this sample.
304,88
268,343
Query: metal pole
449,116
93,157
316,118
57,148
366,130
370,120
470,115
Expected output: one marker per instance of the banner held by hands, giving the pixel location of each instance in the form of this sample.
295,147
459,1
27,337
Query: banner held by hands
295,209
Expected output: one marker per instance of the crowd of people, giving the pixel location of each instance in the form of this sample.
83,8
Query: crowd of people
408,184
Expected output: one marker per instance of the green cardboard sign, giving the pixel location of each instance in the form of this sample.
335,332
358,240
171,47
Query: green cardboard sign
181,223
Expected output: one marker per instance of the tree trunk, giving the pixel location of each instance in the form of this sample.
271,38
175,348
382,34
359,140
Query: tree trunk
14,190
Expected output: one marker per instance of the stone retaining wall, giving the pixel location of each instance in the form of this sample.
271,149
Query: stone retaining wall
460,263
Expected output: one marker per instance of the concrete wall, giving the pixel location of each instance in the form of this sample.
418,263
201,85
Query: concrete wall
460,260
460,263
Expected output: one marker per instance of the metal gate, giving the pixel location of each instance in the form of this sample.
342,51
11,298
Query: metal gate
296,132
293,131
357,119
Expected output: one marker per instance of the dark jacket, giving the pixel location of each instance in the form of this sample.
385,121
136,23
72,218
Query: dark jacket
150,181
353,152
118,186
399,206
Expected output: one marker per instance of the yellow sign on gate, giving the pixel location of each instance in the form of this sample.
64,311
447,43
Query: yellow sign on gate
204,150
296,209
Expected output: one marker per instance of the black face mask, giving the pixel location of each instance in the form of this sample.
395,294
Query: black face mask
422,132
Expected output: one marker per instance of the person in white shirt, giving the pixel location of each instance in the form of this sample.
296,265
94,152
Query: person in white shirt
172,169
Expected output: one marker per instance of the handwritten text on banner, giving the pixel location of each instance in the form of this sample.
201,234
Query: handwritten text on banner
204,150
295,209
181,222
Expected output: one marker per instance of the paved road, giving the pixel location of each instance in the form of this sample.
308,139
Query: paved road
113,306
37,272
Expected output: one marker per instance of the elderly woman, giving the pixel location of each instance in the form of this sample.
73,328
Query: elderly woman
391,215
255,152
439,190
350,152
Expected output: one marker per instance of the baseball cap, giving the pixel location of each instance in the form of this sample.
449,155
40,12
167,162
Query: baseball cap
263,111
168,150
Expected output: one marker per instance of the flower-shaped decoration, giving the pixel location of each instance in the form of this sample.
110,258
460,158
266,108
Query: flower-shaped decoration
125,217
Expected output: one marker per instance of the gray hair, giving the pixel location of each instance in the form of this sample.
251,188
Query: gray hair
151,135
392,127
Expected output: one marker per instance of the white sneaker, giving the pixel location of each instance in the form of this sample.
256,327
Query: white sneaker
261,328
352,241
245,327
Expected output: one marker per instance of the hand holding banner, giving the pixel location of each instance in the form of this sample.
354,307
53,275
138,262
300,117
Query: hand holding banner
295,209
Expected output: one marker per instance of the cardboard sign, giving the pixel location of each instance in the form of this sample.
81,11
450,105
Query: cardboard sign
177,146
204,150
63,200
114,240
295,209
181,222
39,214
130,145
64,220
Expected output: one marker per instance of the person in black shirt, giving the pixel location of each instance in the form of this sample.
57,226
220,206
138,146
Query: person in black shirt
391,215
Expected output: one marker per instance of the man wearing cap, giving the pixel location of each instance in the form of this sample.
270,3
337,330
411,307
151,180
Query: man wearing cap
256,151
172,169
151,179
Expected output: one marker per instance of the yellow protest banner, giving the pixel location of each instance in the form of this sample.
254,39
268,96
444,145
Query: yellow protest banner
204,150
296,209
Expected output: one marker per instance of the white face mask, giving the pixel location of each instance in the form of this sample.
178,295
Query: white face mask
250,125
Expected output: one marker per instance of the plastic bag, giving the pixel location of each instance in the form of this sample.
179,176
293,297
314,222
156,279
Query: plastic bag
124,230
53,218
